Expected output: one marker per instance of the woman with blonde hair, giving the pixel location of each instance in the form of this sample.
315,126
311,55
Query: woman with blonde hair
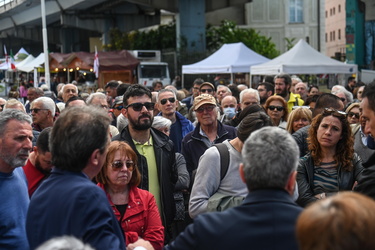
298,118
331,166
134,208
277,109
353,113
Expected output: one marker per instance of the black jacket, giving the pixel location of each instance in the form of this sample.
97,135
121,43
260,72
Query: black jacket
305,178
366,184
165,162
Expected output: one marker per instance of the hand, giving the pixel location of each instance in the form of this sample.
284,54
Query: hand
140,243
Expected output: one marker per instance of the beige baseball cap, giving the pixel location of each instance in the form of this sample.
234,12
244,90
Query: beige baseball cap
204,99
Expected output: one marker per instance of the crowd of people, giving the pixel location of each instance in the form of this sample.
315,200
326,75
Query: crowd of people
281,166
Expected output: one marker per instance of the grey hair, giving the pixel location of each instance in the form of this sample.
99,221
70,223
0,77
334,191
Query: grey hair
161,122
164,91
223,87
47,103
348,95
98,95
13,102
121,122
276,154
250,91
63,87
12,114
63,243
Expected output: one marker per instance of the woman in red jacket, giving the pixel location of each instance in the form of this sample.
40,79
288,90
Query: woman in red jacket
135,208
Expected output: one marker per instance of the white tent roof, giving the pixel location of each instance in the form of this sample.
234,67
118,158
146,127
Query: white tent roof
230,58
36,63
28,59
303,59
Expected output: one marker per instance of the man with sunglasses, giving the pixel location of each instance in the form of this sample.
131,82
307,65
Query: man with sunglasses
167,103
43,113
208,131
207,88
155,152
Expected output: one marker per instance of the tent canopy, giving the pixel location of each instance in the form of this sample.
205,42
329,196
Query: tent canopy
230,58
36,63
303,59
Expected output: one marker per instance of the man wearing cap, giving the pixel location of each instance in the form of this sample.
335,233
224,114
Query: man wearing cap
208,131
189,101
204,88
116,109
167,103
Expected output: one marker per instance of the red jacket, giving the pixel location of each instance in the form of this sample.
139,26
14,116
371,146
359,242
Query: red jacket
141,219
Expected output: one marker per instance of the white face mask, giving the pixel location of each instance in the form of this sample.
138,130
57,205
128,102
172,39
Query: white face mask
230,112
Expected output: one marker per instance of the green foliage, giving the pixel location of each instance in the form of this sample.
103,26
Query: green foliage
158,39
289,42
164,37
229,32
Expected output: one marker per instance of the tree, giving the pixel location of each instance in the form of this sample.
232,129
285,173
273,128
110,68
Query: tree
229,32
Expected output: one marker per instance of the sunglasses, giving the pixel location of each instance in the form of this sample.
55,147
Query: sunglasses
138,106
164,101
119,107
2,106
207,108
118,165
334,112
36,110
278,108
206,90
342,99
351,114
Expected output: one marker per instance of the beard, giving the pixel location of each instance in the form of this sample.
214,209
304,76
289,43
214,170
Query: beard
39,167
141,124
15,161
283,93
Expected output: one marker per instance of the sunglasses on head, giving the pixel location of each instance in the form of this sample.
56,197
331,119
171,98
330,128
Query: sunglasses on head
137,106
164,101
334,112
278,108
36,110
207,108
118,165
119,107
351,114
206,90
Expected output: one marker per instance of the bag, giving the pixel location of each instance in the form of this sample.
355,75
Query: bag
220,202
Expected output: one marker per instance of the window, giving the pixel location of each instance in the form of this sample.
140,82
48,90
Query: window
339,8
326,37
330,36
333,10
339,34
333,36
330,12
296,11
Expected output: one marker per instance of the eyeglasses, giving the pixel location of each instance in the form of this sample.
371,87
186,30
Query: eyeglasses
119,107
334,112
342,99
36,110
206,90
2,106
118,165
164,101
351,114
207,108
304,107
278,108
137,106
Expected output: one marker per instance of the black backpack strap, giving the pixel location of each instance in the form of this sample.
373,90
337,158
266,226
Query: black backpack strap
224,159
296,102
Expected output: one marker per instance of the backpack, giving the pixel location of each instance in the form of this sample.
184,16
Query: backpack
218,201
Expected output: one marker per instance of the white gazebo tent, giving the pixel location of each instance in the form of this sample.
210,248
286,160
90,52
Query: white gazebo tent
303,59
229,59
36,63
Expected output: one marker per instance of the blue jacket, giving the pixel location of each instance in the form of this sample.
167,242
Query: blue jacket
265,220
193,145
187,126
69,203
